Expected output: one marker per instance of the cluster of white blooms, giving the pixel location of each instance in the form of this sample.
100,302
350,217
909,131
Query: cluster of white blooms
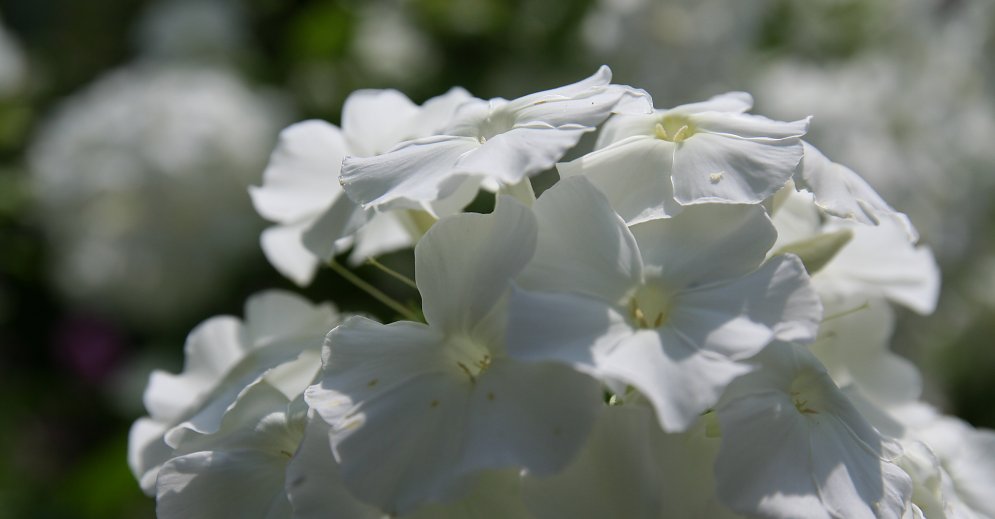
692,322
140,184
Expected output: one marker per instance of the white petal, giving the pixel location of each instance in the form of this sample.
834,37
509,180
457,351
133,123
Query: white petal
302,176
583,247
795,217
380,380
355,371
220,392
762,466
416,171
739,317
147,452
587,102
968,454
794,446
880,260
284,247
631,469
248,454
854,347
438,112
384,233
341,220
211,350
519,152
748,126
624,126
612,477
842,193
216,484
675,375
492,495
730,102
464,263
313,483
621,127
562,328
634,175
705,244
535,416
370,120
280,315
719,168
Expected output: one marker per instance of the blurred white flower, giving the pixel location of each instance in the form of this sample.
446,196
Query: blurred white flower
140,182
13,65
192,29
390,46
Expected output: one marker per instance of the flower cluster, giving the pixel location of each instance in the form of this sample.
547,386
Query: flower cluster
692,322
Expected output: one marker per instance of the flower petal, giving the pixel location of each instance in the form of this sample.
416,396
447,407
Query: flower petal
313,483
565,328
794,446
416,171
284,247
302,176
705,244
535,416
748,126
842,193
520,152
679,379
710,167
879,260
370,120
634,175
464,264
208,485
583,246
326,235
739,317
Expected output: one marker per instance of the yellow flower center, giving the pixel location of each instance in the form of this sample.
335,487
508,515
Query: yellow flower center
674,128
469,357
650,306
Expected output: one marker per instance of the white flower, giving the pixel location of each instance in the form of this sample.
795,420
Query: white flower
853,346
301,190
140,183
671,307
279,341
256,466
652,166
793,446
492,142
965,454
842,193
851,262
418,411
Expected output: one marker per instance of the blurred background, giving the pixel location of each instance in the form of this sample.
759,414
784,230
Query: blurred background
130,129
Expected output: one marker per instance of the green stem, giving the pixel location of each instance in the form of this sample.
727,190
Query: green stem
373,291
393,273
